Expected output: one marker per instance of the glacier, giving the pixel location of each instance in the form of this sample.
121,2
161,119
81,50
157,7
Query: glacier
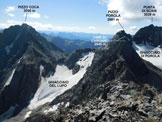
147,47
46,94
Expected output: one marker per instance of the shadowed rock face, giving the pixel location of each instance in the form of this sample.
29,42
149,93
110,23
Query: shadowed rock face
150,34
24,50
75,56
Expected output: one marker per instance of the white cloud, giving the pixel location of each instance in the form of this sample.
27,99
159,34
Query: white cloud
133,28
11,15
102,2
40,26
9,23
36,25
10,9
46,17
3,25
13,22
34,15
130,10
92,28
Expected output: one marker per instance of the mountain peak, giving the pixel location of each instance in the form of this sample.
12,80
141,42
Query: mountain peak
150,34
122,34
17,39
26,26
23,52
151,25
17,30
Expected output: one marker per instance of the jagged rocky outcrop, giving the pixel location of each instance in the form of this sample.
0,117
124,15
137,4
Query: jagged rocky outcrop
71,60
23,52
113,89
150,34
119,102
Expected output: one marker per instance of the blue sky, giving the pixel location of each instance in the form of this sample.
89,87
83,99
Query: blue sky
76,15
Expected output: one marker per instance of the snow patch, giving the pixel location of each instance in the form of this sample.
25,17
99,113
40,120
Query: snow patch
27,114
8,48
19,61
10,78
41,69
52,109
46,94
146,47
67,104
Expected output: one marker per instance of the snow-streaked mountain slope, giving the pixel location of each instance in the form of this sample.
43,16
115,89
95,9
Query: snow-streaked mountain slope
12,74
45,93
157,61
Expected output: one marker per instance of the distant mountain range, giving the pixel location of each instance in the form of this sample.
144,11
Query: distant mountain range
77,35
69,45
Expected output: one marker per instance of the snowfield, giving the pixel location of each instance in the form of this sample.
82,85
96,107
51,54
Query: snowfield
27,114
157,61
45,93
